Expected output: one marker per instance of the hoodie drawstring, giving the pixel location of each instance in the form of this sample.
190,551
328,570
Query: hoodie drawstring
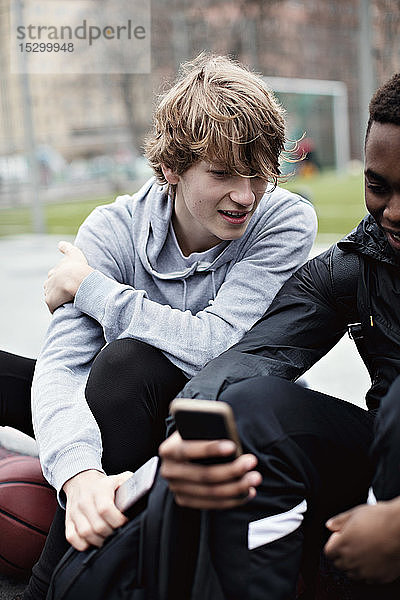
213,284
184,294
214,289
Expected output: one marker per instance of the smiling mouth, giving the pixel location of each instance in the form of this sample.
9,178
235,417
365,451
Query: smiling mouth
393,237
234,214
234,217
394,234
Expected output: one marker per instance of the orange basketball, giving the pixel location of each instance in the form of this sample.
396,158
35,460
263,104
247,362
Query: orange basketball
27,507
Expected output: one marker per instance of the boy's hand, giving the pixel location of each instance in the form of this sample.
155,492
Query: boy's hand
91,515
207,486
366,542
65,278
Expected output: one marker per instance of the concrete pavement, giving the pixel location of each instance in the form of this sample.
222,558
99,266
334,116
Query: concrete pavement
24,262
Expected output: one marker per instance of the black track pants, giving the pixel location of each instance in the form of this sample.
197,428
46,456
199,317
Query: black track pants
16,374
314,455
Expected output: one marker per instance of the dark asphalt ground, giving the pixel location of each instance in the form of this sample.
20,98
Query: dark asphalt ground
9,588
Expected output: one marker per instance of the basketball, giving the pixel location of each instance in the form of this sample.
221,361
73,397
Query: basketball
27,507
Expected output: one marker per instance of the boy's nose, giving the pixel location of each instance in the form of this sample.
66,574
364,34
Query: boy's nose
243,192
391,212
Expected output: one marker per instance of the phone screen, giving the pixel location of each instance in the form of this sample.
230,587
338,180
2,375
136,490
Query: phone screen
203,425
194,425
135,488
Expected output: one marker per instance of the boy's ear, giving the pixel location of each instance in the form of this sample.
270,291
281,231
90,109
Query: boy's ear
170,175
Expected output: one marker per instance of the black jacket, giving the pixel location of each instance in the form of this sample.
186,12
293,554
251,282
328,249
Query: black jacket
356,282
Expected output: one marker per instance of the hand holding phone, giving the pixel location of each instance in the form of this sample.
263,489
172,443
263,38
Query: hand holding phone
136,486
206,420
208,486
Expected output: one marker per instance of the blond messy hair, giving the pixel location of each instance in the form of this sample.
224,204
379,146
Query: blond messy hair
219,111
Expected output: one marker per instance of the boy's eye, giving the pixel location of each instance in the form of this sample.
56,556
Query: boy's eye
220,173
376,188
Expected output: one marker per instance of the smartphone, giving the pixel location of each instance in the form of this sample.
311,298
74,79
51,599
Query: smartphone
206,420
135,488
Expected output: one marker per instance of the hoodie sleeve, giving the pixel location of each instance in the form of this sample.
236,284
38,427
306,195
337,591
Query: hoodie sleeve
68,436
190,341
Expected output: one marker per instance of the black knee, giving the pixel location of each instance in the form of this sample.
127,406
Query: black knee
118,361
257,404
259,397
326,434
128,371
129,389
267,393
16,373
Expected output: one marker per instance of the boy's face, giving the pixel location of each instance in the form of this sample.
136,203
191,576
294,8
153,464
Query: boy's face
212,205
382,179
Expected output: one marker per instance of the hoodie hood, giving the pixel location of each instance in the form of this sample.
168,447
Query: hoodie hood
162,259
369,239
193,282
152,227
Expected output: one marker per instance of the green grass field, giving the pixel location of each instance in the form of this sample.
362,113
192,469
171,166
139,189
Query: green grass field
63,218
338,201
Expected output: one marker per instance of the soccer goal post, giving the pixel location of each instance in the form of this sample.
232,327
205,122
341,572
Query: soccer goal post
337,92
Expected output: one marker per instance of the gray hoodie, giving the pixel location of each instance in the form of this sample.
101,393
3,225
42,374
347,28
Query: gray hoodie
191,308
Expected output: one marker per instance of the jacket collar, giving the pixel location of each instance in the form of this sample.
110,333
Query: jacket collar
368,239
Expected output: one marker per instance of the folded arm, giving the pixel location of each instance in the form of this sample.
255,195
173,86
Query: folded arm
64,279
192,340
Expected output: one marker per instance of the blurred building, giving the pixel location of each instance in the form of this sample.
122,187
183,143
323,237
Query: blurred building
310,39
83,116
79,115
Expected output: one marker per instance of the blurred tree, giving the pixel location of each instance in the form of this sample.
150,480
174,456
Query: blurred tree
387,37
316,39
